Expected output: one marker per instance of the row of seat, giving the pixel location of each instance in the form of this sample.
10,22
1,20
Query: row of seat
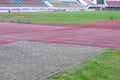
36,3
33,3
16,3
65,4
7,3
89,2
108,2
55,3
113,3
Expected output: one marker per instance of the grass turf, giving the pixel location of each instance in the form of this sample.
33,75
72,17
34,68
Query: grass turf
103,67
64,18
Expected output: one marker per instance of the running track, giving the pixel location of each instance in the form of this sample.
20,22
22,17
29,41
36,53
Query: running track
102,34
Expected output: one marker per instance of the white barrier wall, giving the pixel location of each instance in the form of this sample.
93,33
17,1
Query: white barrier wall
40,9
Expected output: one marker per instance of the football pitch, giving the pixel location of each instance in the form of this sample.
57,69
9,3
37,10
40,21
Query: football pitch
63,17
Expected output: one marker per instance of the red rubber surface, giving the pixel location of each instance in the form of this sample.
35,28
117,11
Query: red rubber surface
102,34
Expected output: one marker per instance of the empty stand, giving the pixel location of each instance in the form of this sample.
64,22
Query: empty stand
113,3
58,4
33,3
7,3
89,2
74,4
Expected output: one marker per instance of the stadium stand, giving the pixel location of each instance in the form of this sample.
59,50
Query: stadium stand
113,3
38,3
89,2
33,3
7,3
18,2
58,4
74,4
65,3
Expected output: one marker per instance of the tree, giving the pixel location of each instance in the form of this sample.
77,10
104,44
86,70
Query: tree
100,1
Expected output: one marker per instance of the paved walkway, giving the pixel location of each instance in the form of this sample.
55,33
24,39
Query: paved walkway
32,61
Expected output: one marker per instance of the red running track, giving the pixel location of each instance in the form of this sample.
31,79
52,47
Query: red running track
102,34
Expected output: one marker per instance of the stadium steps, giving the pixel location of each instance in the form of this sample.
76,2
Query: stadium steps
18,2
48,3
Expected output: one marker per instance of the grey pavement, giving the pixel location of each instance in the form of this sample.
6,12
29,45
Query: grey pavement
33,61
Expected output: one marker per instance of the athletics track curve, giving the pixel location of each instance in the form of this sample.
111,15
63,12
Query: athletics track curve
99,34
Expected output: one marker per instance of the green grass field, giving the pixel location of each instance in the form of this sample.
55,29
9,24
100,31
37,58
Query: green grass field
64,18
103,67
